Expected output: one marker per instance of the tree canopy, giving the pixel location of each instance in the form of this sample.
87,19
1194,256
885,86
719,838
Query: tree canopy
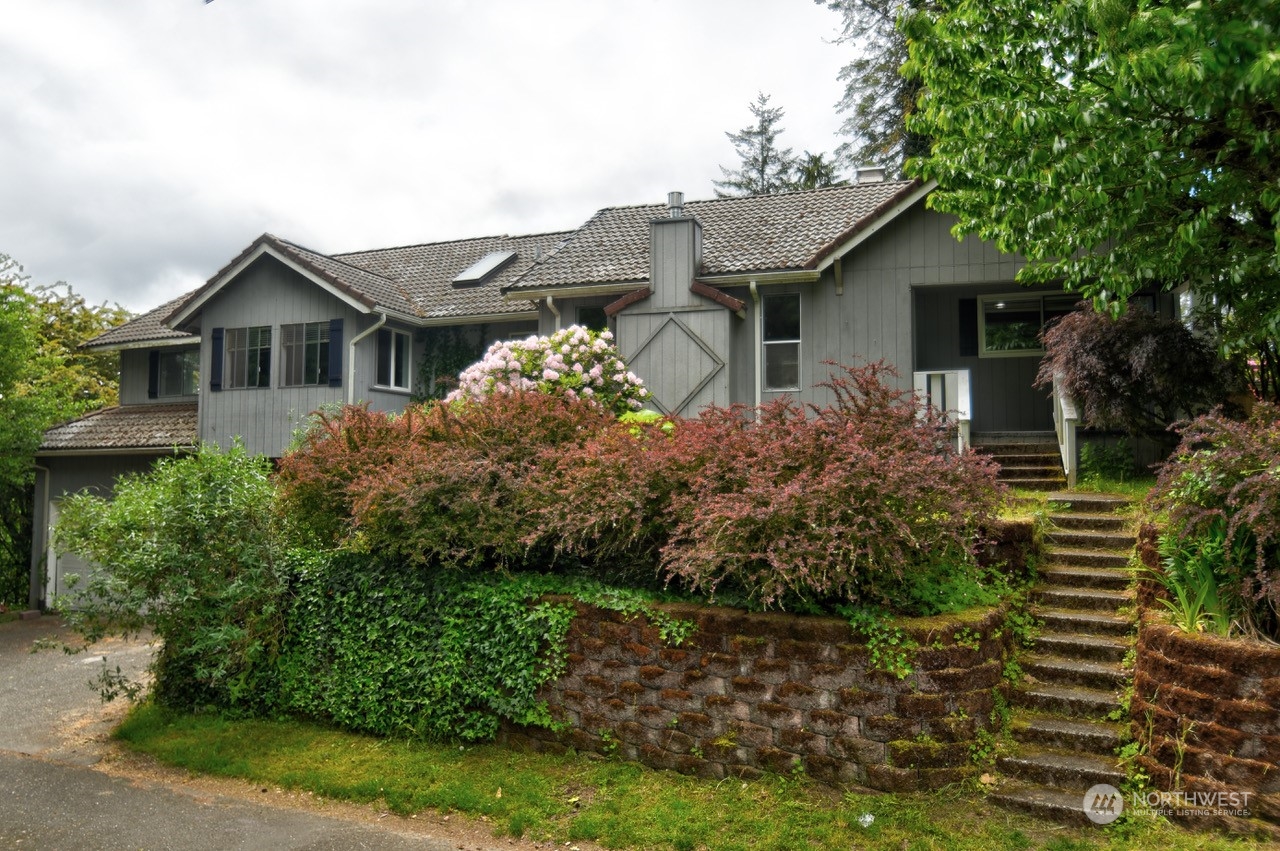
44,378
1117,144
877,96
765,169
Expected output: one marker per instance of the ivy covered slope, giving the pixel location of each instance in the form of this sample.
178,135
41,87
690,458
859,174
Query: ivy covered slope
393,575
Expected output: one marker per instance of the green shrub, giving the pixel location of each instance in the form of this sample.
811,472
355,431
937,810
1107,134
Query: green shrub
187,549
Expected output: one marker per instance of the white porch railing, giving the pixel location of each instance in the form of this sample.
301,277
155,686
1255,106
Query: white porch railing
947,390
1065,420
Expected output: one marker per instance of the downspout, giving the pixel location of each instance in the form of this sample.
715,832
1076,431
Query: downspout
351,356
759,342
33,590
555,311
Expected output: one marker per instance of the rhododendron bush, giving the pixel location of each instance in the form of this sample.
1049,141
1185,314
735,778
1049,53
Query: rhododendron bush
576,363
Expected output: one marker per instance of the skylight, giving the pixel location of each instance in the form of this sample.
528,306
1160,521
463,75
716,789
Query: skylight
480,271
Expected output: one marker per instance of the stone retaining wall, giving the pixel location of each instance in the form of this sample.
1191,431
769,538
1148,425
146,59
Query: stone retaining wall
751,693
1208,711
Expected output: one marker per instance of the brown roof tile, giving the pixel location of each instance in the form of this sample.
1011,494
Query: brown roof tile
128,427
149,327
752,234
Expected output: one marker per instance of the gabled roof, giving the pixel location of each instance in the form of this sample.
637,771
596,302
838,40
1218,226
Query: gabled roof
761,233
132,427
147,330
427,272
412,282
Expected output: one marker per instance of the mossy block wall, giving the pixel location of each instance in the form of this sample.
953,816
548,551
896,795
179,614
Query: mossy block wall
753,693
1208,711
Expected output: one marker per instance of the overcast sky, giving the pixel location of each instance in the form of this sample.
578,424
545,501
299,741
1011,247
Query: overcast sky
145,143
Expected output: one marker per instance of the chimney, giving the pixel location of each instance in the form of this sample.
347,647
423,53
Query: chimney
675,205
868,174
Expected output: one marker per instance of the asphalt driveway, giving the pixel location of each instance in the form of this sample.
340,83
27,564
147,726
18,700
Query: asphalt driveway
57,791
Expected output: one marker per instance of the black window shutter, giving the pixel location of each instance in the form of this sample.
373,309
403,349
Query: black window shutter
153,374
215,360
968,312
335,352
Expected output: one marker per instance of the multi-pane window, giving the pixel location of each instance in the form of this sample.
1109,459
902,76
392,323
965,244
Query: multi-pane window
248,362
781,336
394,353
1011,325
306,353
177,373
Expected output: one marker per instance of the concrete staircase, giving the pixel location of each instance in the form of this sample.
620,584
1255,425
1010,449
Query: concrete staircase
1028,460
1063,740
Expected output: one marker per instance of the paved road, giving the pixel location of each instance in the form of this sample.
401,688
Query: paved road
52,731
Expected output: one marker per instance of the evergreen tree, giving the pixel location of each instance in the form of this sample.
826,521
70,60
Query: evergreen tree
765,169
814,171
877,97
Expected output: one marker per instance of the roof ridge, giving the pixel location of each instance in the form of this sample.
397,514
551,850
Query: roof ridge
452,242
334,257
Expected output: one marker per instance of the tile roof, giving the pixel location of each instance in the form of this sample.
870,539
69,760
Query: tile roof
147,328
752,234
426,272
128,427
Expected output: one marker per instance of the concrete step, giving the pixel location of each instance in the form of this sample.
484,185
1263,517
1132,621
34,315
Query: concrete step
1085,577
1066,671
1083,599
1067,701
1049,804
1095,522
1066,734
1061,769
1086,558
1079,502
1092,648
1075,621
1034,484
1088,539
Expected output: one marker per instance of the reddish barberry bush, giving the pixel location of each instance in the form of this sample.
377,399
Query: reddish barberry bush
840,506
1225,476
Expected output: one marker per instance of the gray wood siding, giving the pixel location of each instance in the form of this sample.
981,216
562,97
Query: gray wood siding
134,376
675,246
568,308
269,293
671,363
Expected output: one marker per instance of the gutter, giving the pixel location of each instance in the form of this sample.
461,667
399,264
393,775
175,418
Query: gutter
555,311
351,356
758,333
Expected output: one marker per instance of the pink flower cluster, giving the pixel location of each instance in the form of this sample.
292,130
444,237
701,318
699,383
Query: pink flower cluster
575,363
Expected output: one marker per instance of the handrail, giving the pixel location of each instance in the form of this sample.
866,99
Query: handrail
947,390
1065,421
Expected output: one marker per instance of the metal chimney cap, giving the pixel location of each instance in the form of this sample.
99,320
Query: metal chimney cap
675,205
869,174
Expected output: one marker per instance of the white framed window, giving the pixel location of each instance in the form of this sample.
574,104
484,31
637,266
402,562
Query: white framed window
780,322
306,353
395,351
248,357
1010,325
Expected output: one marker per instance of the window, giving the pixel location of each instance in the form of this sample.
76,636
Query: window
593,318
394,353
1011,325
306,353
174,373
781,336
248,357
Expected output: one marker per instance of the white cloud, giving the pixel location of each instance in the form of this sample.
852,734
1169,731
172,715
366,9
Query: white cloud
147,142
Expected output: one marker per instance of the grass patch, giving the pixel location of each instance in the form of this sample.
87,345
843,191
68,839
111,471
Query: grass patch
619,805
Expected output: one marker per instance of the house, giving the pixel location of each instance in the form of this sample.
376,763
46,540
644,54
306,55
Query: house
711,302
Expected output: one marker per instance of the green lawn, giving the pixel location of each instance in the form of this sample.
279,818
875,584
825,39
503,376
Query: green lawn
619,805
